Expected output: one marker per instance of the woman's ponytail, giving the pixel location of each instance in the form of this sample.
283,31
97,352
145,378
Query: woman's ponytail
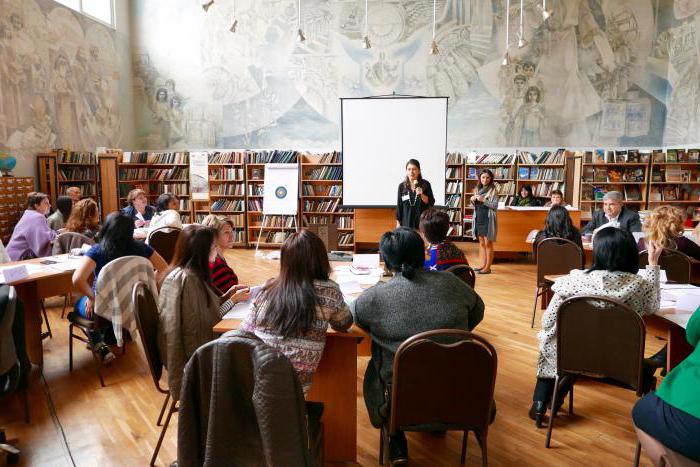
408,271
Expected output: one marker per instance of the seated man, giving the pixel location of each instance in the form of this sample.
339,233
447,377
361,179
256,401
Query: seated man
411,302
614,214
556,199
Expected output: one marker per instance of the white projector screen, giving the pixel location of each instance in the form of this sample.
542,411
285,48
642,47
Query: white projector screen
379,135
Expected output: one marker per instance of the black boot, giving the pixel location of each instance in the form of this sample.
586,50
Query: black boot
658,360
538,410
398,449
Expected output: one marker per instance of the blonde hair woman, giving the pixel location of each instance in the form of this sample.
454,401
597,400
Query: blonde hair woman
138,208
664,227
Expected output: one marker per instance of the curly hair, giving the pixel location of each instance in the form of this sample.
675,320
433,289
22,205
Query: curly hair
663,225
84,217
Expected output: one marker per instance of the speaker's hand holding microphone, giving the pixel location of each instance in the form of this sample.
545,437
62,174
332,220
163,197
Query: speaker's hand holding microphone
416,188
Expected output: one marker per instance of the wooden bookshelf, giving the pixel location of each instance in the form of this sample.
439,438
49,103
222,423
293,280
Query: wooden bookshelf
277,228
454,193
226,192
321,184
544,172
156,173
46,171
675,180
76,169
503,166
626,171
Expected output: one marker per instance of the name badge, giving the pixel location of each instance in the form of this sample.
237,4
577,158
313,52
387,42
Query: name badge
406,197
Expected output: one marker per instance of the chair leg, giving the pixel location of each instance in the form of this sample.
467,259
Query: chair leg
534,306
25,402
551,413
571,400
66,299
70,347
46,320
482,438
637,453
465,437
162,432
381,446
98,365
162,410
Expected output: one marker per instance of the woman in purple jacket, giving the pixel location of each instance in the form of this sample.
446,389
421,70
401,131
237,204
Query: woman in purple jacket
32,236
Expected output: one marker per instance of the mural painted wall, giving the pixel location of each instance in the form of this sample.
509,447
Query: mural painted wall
598,72
62,81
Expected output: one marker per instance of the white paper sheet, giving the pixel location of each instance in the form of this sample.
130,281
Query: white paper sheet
350,288
370,261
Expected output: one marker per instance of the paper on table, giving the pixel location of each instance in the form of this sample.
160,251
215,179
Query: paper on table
676,286
688,302
66,265
240,310
681,320
370,261
350,287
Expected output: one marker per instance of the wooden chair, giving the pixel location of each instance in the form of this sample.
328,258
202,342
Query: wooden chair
600,338
554,256
163,240
465,273
443,379
63,244
146,314
678,266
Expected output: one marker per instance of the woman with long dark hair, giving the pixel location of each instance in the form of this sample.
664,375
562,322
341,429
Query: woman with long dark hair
167,213
116,240
558,225
60,216
613,275
415,195
188,303
293,311
484,225
526,197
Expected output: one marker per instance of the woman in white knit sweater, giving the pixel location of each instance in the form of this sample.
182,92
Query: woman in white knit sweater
614,274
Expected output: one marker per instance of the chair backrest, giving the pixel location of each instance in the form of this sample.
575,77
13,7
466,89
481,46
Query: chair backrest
146,315
678,266
66,241
465,273
557,256
600,337
163,240
444,377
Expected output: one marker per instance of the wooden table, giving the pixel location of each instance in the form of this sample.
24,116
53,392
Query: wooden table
31,291
514,225
335,384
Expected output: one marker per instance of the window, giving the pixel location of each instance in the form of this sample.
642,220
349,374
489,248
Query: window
101,10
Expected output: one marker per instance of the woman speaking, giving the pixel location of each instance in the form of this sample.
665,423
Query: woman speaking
415,196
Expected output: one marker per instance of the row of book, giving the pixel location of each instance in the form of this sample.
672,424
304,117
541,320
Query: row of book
173,173
228,205
453,201
453,188
271,157
76,173
256,189
455,215
495,158
179,189
321,206
453,158
185,219
286,222
227,157
596,193
499,173
274,237
227,189
144,157
226,173
544,190
538,173
334,157
346,239
308,189
73,157
453,172
455,230
341,222
324,173
674,193
545,157
237,219
505,188
613,174
675,174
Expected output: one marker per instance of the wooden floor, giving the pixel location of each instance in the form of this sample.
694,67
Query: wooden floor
115,425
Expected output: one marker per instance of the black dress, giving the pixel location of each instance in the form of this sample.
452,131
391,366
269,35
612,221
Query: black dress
409,206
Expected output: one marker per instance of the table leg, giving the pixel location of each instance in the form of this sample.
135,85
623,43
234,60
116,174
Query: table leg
335,384
29,296
678,347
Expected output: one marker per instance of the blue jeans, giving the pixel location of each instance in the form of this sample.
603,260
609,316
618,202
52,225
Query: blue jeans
95,337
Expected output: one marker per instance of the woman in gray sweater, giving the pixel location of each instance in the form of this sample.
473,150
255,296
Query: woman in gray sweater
413,301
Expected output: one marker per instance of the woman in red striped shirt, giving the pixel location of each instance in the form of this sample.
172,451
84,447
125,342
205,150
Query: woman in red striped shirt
222,276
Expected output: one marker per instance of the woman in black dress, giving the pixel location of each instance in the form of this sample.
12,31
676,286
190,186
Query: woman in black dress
414,196
485,227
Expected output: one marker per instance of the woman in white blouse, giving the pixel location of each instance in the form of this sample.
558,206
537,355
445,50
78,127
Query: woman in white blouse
167,214
613,275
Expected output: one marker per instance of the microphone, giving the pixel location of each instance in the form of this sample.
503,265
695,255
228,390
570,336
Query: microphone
415,183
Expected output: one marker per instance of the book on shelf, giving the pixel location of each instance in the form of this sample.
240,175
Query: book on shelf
655,194
453,172
67,174
693,155
226,157
598,193
601,174
523,173
614,175
309,189
227,205
621,156
321,206
497,158
453,188
633,174
633,156
453,158
227,189
325,173
334,157
544,190
633,193
452,201
670,193
346,239
534,173
644,155
73,157
658,156
671,155
658,174
271,157
226,173
588,173
168,158
179,189
599,156
256,189
586,193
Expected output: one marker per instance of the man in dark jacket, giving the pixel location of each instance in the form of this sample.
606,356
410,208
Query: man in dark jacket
615,214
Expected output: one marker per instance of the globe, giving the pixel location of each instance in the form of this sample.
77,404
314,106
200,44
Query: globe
7,163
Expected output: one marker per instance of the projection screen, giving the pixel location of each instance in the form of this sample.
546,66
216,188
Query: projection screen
379,134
